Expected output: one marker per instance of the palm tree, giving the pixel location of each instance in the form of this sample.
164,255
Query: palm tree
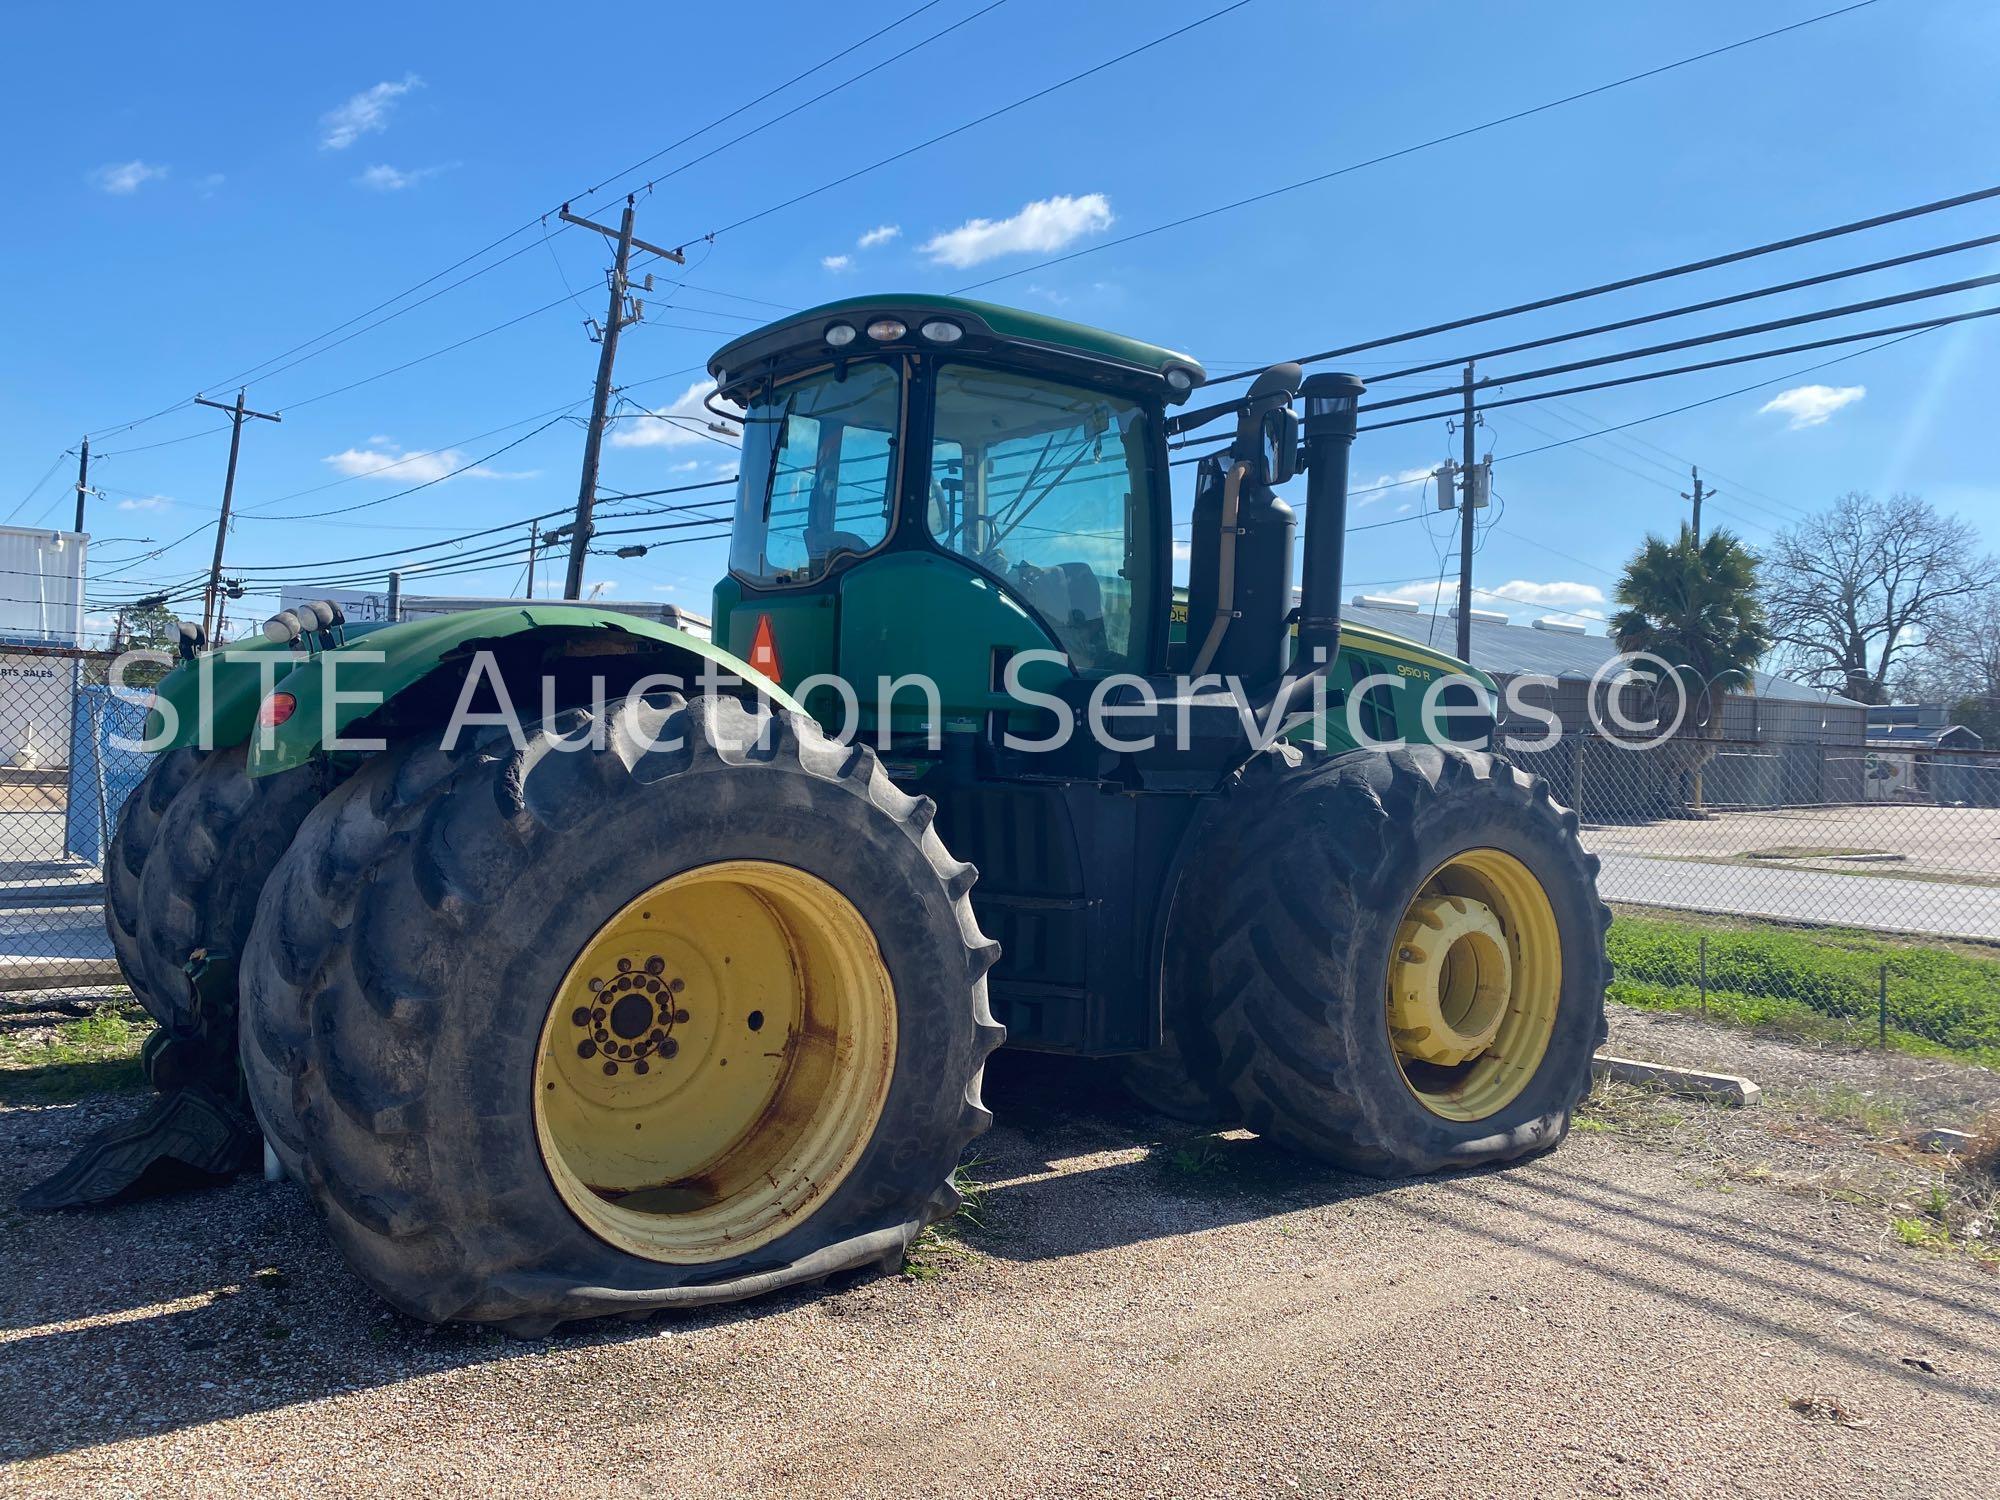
1694,605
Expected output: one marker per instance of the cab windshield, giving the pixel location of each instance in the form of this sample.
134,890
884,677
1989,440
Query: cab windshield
1050,486
818,462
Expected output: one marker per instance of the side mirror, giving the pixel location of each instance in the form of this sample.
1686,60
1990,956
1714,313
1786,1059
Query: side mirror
1278,444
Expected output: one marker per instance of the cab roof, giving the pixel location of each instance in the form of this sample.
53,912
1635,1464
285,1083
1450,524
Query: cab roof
983,322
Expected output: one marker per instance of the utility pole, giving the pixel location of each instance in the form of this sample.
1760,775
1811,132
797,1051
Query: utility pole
82,483
614,320
534,544
1697,497
210,620
1467,482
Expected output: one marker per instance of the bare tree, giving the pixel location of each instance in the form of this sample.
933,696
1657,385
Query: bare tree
1959,666
1853,591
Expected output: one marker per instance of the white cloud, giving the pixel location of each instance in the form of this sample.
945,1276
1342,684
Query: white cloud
1559,594
146,502
1044,225
126,177
386,461
881,234
1383,486
1810,405
836,262
366,113
685,422
386,179
687,467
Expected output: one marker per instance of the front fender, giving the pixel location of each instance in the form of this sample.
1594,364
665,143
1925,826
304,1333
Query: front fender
339,695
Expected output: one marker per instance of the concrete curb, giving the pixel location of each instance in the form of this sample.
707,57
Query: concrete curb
1940,1138
1716,1088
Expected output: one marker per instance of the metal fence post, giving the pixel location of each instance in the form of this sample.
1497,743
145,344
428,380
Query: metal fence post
1576,775
1704,976
1882,1010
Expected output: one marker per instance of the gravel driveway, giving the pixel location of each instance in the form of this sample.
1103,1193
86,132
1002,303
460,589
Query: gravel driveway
1144,1312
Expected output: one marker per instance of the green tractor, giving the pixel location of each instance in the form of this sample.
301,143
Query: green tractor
577,966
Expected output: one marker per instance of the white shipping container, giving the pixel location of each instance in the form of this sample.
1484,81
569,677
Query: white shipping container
41,586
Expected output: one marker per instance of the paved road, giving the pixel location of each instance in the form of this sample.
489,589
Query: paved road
1884,903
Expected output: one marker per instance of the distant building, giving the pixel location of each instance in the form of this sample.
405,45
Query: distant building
1916,752
1782,743
1919,725
1573,653
41,606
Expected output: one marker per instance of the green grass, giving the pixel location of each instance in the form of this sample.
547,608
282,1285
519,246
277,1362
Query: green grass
940,1249
95,1053
1821,984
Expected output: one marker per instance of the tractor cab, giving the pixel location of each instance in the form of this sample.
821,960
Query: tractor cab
933,486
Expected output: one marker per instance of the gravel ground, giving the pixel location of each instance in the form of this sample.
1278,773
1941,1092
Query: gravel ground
1682,1301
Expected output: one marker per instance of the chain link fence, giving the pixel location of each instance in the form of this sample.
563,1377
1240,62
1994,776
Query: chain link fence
1849,891
62,784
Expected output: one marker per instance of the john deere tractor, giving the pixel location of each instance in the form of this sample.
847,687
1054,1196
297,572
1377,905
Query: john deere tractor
577,966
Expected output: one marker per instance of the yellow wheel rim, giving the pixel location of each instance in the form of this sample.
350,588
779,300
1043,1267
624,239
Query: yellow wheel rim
1475,980
715,1061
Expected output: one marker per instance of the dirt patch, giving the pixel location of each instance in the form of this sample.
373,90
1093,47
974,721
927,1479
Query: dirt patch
1141,1309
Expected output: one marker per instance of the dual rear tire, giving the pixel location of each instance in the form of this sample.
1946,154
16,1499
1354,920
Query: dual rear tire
659,1010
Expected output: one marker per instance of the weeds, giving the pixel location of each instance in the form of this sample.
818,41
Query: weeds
1870,1114
939,1250
1200,1156
1820,986
97,1052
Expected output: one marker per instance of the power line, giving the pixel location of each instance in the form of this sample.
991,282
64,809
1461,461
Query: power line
1696,341
1388,156
1724,396
1710,364
407,458
872,71
261,371
994,114
1712,303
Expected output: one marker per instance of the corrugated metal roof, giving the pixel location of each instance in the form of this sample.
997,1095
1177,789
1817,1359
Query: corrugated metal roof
1944,736
1515,650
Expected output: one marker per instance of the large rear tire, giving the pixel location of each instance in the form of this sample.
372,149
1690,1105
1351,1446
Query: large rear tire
125,863
435,1021
1400,956
211,852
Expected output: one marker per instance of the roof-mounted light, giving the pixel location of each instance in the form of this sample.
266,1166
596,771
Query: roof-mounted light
938,331
1180,377
887,330
840,335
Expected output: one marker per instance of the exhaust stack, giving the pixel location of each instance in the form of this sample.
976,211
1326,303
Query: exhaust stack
1330,405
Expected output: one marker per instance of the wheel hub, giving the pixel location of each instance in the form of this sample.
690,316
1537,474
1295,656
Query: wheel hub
1449,980
631,1016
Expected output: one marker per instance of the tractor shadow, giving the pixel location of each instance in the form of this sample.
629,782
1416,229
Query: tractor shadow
174,1312
1074,1164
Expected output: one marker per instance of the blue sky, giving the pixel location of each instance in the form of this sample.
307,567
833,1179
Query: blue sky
189,200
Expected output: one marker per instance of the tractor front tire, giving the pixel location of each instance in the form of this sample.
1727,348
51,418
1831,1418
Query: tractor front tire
125,863
672,1007
1400,956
